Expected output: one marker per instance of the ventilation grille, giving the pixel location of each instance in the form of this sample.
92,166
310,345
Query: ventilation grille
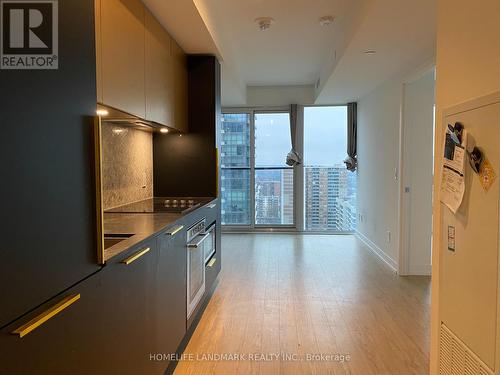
455,358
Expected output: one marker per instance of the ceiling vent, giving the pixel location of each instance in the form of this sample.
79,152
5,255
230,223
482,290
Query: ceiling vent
264,23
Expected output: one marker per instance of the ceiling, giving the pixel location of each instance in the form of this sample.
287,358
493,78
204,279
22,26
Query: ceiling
297,50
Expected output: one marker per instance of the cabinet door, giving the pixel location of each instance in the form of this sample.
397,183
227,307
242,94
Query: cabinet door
180,76
122,48
159,83
108,330
171,318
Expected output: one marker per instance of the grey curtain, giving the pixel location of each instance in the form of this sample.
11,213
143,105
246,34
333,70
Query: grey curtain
293,158
351,161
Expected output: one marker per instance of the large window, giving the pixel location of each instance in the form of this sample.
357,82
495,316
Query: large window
235,169
257,186
329,188
273,179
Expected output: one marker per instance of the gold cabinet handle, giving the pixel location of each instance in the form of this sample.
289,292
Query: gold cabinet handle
175,230
212,262
46,315
212,205
136,256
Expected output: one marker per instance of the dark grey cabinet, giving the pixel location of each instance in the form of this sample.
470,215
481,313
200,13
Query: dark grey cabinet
108,330
171,289
47,215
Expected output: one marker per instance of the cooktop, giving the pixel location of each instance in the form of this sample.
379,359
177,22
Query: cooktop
158,205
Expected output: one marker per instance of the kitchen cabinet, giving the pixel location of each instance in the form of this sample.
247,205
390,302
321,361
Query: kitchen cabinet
47,215
141,70
193,158
120,40
171,289
180,78
108,330
160,83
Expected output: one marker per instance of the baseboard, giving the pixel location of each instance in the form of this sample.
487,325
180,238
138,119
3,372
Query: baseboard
387,260
420,270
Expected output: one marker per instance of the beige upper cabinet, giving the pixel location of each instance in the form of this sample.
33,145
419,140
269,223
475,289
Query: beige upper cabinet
141,70
180,77
160,85
120,35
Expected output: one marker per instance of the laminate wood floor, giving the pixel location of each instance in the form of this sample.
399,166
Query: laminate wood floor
283,298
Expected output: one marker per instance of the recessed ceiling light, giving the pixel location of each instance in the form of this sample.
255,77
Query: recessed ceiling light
164,130
102,112
370,52
326,20
264,23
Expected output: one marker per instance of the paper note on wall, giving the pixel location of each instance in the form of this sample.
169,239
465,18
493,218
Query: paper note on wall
452,175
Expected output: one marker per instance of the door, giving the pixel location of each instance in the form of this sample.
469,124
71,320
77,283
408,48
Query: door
417,172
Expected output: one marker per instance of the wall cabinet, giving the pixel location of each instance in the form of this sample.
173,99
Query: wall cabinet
180,79
160,83
120,35
141,70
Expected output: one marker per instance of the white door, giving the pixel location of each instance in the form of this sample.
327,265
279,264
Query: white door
418,158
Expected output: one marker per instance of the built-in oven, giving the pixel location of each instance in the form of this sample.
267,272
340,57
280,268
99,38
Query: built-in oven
200,248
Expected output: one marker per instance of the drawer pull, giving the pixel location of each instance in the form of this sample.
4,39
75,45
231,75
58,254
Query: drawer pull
212,262
46,315
136,256
212,205
175,230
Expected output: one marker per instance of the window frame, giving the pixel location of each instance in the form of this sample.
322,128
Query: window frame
298,225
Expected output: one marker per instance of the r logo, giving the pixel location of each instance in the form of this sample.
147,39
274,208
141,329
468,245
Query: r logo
29,34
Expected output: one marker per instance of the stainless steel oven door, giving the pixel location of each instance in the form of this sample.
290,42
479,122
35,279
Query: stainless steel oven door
196,271
210,243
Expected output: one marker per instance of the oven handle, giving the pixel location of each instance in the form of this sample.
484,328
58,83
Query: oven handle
196,244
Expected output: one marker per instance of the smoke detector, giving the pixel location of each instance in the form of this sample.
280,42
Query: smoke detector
326,20
264,23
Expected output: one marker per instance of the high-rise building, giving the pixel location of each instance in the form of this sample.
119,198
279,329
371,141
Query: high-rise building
235,169
330,199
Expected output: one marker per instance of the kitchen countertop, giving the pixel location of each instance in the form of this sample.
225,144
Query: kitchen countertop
141,225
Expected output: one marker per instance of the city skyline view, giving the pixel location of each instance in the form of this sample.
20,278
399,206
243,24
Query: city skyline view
329,189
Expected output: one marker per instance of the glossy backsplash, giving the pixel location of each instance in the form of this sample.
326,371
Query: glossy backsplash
127,165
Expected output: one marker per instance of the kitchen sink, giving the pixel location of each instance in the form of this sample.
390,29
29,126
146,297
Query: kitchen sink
113,239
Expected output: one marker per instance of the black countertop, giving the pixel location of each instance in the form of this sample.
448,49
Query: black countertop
141,225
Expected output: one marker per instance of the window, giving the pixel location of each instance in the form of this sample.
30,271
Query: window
273,178
329,188
235,169
257,185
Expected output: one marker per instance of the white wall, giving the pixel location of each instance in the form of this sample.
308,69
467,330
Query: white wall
279,95
378,156
467,66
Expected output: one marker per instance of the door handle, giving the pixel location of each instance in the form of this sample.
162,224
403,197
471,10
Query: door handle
46,315
199,242
212,205
174,230
136,256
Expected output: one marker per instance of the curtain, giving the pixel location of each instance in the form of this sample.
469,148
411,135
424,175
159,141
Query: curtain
351,161
293,158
